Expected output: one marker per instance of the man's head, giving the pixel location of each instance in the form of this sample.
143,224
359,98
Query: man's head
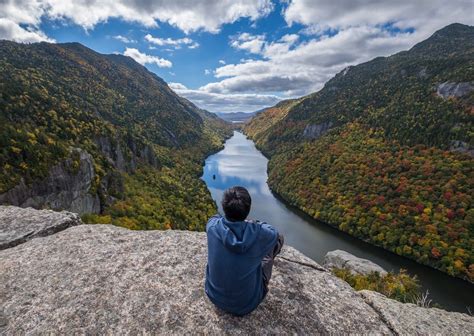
236,203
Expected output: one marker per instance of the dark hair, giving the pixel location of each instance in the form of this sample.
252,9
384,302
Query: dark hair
236,203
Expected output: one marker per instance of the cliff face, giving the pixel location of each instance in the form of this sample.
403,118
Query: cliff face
65,187
98,279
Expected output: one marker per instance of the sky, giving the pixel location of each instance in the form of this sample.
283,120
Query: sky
236,55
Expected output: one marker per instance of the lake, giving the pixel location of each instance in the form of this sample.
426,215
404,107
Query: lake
241,163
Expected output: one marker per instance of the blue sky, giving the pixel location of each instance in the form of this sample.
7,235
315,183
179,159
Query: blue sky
236,55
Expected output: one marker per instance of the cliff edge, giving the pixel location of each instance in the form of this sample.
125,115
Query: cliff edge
101,279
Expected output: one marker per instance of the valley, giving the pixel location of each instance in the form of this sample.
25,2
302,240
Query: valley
237,167
383,152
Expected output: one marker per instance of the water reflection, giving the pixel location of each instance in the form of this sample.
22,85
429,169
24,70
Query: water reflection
240,163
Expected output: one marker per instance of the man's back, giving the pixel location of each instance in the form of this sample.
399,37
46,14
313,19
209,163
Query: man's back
234,278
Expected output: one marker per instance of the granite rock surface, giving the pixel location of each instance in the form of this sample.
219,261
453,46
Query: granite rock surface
18,226
102,279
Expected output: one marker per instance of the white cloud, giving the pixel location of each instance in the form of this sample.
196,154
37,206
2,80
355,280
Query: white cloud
147,59
10,30
177,86
187,15
176,43
281,46
207,72
297,69
248,42
221,62
426,15
217,102
123,39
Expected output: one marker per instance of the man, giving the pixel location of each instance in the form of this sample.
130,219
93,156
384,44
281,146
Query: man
240,255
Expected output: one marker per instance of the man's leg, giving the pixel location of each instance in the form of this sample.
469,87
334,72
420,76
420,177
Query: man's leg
267,261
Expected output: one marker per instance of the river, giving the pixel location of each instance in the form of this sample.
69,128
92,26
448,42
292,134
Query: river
241,163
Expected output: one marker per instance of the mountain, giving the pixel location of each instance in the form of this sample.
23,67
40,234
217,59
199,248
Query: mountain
385,151
236,117
101,134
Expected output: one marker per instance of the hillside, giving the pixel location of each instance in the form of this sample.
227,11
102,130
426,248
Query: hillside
259,127
101,279
385,151
100,134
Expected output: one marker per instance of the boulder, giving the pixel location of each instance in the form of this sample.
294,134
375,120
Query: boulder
20,225
410,319
343,259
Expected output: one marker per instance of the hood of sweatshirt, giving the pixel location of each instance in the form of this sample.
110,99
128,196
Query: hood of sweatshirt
238,237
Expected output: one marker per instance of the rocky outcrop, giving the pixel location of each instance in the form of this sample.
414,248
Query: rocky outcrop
101,279
410,319
114,154
17,227
126,157
343,259
451,89
314,131
462,147
67,186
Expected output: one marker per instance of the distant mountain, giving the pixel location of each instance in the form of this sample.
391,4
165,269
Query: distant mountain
236,117
385,151
100,134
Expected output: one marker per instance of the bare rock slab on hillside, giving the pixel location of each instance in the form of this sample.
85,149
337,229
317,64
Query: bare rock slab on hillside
101,279
410,319
356,265
20,225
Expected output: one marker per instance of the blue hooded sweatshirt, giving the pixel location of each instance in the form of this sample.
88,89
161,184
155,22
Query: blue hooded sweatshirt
234,279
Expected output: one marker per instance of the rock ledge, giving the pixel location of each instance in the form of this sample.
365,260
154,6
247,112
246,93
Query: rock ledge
101,279
20,225
356,265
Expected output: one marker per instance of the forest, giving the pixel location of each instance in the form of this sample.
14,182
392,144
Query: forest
379,153
414,201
